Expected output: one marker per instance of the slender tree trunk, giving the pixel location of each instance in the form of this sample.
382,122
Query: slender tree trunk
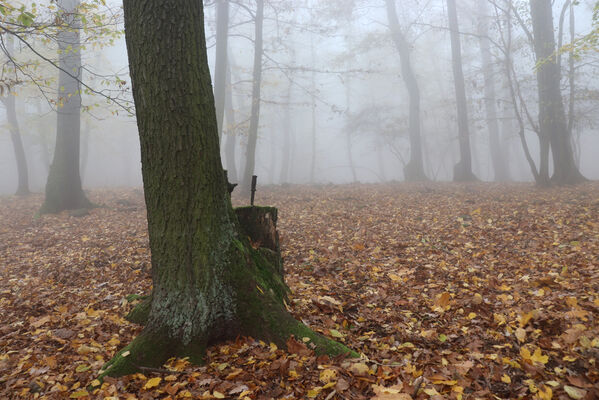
462,171
348,138
220,68
495,145
539,179
313,98
552,117
287,126
230,130
250,161
85,151
15,133
63,189
414,170
17,144
209,283
571,74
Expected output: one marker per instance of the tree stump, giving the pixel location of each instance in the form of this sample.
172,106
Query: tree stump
260,226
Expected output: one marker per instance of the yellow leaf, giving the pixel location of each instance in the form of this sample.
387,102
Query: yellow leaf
539,357
328,375
447,383
506,379
545,393
431,392
574,392
471,315
312,393
218,395
359,369
571,301
477,299
525,318
152,383
499,319
79,394
521,334
389,393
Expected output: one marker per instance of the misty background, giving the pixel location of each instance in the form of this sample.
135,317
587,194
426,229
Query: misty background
334,107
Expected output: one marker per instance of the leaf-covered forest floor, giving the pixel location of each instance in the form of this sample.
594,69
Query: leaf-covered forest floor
449,291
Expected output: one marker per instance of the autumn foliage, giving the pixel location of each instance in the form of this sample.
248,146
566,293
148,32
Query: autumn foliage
448,291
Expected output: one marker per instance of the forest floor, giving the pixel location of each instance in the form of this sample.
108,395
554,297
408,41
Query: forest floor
448,291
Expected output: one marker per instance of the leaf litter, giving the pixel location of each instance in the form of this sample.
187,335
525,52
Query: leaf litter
447,291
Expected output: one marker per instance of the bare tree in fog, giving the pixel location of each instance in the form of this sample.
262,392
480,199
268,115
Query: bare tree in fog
220,67
63,189
9,102
496,145
414,170
552,116
230,128
462,171
256,88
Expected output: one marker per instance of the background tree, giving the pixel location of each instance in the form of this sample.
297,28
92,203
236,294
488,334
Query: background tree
15,136
500,169
209,283
552,116
250,161
462,171
414,170
63,189
220,65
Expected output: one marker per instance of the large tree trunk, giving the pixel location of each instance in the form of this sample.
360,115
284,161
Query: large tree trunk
552,117
414,170
220,67
250,160
209,283
495,145
462,171
17,143
63,189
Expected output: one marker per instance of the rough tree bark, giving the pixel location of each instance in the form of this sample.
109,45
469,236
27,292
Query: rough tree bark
495,145
17,144
63,189
220,64
552,116
462,172
250,160
209,283
414,169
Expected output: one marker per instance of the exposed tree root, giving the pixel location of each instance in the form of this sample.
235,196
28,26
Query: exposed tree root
257,308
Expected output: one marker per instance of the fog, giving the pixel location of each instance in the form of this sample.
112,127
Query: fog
334,104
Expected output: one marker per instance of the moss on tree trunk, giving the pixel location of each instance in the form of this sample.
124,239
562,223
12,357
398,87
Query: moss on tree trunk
209,283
